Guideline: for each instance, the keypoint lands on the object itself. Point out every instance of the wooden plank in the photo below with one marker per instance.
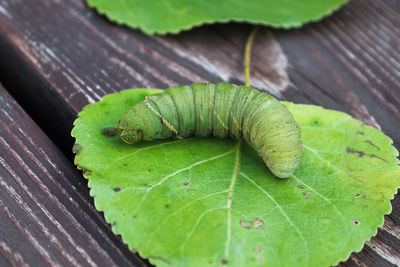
(69, 56)
(45, 216)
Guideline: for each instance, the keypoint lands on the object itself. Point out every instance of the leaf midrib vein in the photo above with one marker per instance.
(229, 204)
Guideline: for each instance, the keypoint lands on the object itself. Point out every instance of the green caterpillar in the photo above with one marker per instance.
(220, 110)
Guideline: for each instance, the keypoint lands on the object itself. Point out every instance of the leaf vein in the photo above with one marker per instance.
(140, 150)
(179, 171)
(181, 209)
(281, 210)
(196, 224)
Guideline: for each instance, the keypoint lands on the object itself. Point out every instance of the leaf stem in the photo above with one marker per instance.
(247, 54)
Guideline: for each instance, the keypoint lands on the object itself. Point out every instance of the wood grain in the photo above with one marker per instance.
(67, 55)
(45, 216)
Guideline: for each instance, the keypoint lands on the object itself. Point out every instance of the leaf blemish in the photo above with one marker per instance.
(83, 169)
(117, 189)
(259, 250)
(186, 183)
(114, 223)
(356, 222)
(360, 133)
(300, 186)
(160, 258)
(306, 194)
(260, 258)
(224, 261)
(357, 195)
(372, 144)
(166, 205)
(108, 131)
(76, 149)
(257, 223)
(362, 153)
(244, 224)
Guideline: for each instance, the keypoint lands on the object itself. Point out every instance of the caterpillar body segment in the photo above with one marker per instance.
(222, 110)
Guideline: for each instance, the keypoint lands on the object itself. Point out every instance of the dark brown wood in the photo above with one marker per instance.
(45, 216)
(60, 55)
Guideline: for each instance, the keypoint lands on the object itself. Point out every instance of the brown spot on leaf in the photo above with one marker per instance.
(362, 154)
(83, 169)
(224, 261)
(117, 189)
(357, 195)
(360, 133)
(186, 183)
(260, 258)
(76, 148)
(244, 224)
(356, 179)
(356, 222)
(160, 258)
(372, 144)
(300, 186)
(108, 132)
(257, 223)
(353, 170)
(259, 250)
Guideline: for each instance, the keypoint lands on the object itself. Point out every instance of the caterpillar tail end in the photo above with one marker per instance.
(287, 168)
(283, 174)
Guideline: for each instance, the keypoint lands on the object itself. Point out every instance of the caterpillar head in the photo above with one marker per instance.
(130, 127)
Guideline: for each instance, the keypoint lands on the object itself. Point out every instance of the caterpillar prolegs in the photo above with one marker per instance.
(222, 110)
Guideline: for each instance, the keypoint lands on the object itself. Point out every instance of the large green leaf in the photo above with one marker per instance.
(200, 202)
(172, 16)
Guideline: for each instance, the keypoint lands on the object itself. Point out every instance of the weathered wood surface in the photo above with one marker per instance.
(45, 216)
(59, 55)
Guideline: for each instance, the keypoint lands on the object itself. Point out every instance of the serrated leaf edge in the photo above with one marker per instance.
(286, 26)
